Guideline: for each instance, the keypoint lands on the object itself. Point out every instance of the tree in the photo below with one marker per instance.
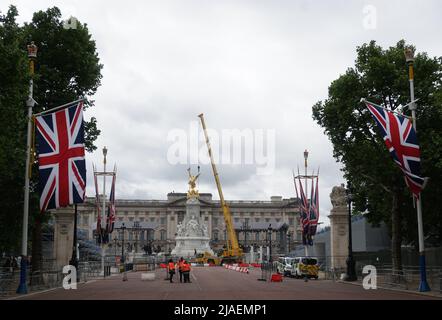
(14, 89)
(381, 76)
(67, 68)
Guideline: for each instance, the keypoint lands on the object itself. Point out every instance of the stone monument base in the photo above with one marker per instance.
(186, 246)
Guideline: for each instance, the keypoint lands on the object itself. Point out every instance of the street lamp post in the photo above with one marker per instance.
(269, 231)
(115, 240)
(351, 271)
(423, 286)
(74, 260)
(123, 260)
(136, 230)
(22, 288)
(288, 242)
(245, 228)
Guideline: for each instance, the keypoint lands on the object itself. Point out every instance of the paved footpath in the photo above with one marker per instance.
(217, 283)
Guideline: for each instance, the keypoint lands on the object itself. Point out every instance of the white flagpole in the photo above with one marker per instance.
(103, 219)
(22, 288)
(423, 286)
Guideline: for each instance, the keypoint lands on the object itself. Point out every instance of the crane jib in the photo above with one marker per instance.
(233, 249)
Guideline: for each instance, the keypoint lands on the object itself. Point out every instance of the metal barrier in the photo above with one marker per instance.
(267, 268)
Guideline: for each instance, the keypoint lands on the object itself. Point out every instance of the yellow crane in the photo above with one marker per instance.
(233, 252)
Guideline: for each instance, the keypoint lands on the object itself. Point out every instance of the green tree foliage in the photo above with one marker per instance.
(67, 67)
(381, 76)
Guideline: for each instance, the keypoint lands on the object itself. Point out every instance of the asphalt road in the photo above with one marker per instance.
(218, 283)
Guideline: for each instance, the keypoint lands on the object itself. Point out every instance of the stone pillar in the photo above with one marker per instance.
(338, 228)
(63, 236)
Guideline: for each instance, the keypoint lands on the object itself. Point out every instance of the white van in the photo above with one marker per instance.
(284, 266)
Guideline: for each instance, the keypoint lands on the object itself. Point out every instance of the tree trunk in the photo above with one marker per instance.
(396, 234)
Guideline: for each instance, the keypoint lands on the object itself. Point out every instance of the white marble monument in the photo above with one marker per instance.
(192, 233)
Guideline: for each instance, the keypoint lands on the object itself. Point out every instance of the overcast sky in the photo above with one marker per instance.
(245, 64)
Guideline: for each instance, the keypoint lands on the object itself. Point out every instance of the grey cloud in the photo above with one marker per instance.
(260, 64)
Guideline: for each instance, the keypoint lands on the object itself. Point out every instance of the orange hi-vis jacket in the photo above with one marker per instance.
(171, 266)
(186, 267)
(180, 265)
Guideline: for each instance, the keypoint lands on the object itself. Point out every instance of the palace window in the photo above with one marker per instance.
(163, 234)
(163, 220)
(215, 235)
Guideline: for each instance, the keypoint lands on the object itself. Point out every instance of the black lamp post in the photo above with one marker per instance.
(288, 242)
(136, 230)
(351, 270)
(74, 260)
(269, 231)
(123, 260)
(245, 228)
(115, 240)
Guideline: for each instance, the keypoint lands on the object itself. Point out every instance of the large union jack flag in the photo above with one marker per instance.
(111, 208)
(304, 213)
(62, 170)
(401, 141)
(314, 208)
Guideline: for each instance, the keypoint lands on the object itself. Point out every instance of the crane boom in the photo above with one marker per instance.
(233, 249)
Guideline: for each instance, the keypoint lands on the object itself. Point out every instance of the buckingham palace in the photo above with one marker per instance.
(154, 223)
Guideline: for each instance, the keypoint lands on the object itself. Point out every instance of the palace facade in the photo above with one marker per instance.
(154, 222)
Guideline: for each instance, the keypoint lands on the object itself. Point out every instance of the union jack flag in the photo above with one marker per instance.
(314, 209)
(62, 169)
(304, 216)
(401, 141)
(111, 208)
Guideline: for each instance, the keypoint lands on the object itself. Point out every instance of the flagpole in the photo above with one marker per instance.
(390, 110)
(423, 286)
(59, 107)
(103, 245)
(305, 165)
(22, 288)
(74, 258)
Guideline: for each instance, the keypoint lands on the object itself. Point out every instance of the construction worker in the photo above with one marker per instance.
(171, 268)
(180, 268)
(186, 271)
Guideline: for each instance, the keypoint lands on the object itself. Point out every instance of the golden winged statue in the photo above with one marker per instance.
(193, 192)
